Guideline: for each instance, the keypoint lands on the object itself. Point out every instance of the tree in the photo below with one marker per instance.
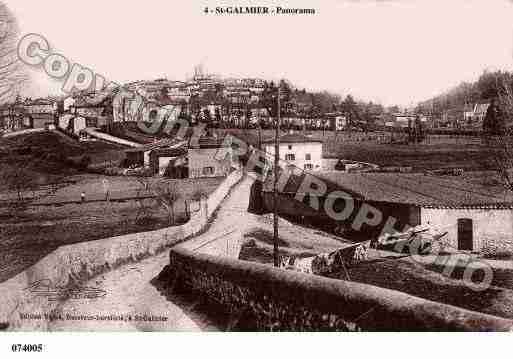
(498, 132)
(493, 123)
(166, 195)
(12, 74)
(141, 193)
(350, 109)
(207, 117)
(218, 118)
(269, 97)
(19, 179)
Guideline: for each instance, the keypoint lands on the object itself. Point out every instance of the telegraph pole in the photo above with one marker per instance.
(276, 165)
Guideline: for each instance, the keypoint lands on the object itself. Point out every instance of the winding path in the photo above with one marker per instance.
(130, 291)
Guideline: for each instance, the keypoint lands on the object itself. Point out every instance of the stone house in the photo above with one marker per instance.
(477, 218)
(210, 158)
(171, 162)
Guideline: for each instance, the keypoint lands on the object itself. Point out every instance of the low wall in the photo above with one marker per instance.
(77, 263)
(109, 138)
(268, 298)
(23, 132)
(215, 198)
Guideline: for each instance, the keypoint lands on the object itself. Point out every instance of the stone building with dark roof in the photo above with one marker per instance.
(477, 218)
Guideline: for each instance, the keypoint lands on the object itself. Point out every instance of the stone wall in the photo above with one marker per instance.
(492, 228)
(72, 264)
(109, 138)
(261, 297)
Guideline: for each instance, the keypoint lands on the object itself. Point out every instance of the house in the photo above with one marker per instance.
(171, 162)
(480, 113)
(68, 103)
(468, 114)
(336, 121)
(340, 123)
(141, 156)
(404, 120)
(42, 113)
(13, 118)
(296, 150)
(211, 157)
(95, 107)
(77, 124)
(477, 218)
(474, 115)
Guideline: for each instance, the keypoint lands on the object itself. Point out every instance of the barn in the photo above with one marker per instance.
(478, 218)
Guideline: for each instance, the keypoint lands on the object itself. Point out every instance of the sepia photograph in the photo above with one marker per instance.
(294, 166)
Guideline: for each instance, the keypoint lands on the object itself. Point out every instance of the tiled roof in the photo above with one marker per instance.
(293, 138)
(421, 189)
(416, 189)
(92, 99)
(38, 102)
(209, 142)
(170, 152)
(168, 142)
(482, 107)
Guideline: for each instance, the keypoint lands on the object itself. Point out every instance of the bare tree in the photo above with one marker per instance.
(19, 179)
(12, 72)
(498, 130)
(166, 195)
(143, 191)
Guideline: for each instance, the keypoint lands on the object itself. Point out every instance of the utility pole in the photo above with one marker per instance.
(275, 192)
(259, 127)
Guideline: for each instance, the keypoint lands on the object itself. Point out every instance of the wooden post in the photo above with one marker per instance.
(275, 193)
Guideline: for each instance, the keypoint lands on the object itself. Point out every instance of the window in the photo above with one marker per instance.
(290, 147)
(208, 171)
(290, 157)
(308, 166)
(308, 157)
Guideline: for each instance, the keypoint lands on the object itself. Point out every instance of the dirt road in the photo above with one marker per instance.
(130, 291)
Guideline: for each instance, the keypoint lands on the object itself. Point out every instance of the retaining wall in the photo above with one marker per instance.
(109, 138)
(77, 263)
(268, 298)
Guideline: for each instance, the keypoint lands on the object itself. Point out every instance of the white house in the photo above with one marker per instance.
(68, 103)
(340, 123)
(487, 228)
(296, 150)
(475, 115)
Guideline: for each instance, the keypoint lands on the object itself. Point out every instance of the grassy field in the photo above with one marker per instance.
(390, 272)
(28, 236)
(50, 154)
(437, 151)
(56, 215)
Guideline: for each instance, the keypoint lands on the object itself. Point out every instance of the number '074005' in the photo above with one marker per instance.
(17, 348)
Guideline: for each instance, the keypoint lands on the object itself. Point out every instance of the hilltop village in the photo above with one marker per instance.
(355, 182)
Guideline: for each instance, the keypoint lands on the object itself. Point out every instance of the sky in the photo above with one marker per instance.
(391, 52)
